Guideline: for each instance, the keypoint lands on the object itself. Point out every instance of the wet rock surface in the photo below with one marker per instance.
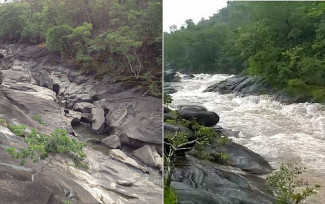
(248, 85)
(204, 182)
(232, 180)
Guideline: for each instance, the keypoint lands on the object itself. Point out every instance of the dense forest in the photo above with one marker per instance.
(283, 42)
(108, 36)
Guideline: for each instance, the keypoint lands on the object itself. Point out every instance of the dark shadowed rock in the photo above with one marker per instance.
(171, 129)
(226, 86)
(241, 157)
(203, 117)
(83, 107)
(112, 141)
(193, 107)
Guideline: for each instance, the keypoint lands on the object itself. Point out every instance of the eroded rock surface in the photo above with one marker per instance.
(33, 82)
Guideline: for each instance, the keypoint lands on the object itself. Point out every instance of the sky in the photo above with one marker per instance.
(177, 11)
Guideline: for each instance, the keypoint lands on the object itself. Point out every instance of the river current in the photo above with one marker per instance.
(280, 133)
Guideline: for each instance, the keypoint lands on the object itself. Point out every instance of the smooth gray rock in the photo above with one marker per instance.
(148, 155)
(112, 141)
(98, 115)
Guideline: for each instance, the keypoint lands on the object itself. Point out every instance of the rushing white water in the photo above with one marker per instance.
(278, 132)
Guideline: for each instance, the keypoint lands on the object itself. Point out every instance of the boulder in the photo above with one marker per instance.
(112, 141)
(226, 86)
(98, 124)
(83, 107)
(148, 155)
(136, 118)
(171, 129)
(193, 107)
(203, 117)
(240, 157)
(79, 98)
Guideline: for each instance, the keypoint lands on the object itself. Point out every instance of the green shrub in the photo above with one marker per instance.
(287, 187)
(57, 39)
(19, 130)
(40, 146)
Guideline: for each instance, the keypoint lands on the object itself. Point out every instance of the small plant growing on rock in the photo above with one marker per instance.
(285, 184)
(38, 118)
(170, 196)
(3, 122)
(40, 146)
(223, 140)
(67, 202)
(19, 130)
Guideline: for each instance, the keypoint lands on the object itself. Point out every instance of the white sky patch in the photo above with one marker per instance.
(176, 12)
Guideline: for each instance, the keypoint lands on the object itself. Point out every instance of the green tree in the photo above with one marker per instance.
(57, 39)
(285, 184)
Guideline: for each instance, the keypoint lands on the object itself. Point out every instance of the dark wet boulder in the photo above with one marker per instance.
(226, 86)
(240, 157)
(193, 107)
(171, 129)
(203, 117)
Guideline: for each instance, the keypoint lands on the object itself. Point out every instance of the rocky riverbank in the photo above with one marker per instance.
(234, 180)
(249, 85)
(33, 82)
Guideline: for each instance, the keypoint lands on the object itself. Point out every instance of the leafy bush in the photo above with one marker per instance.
(285, 184)
(40, 146)
(57, 39)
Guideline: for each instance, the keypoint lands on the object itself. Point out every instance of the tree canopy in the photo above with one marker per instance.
(283, 42)
(102, 35)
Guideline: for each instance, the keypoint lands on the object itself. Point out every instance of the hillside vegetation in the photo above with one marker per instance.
(283, 42)
(107, 36)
